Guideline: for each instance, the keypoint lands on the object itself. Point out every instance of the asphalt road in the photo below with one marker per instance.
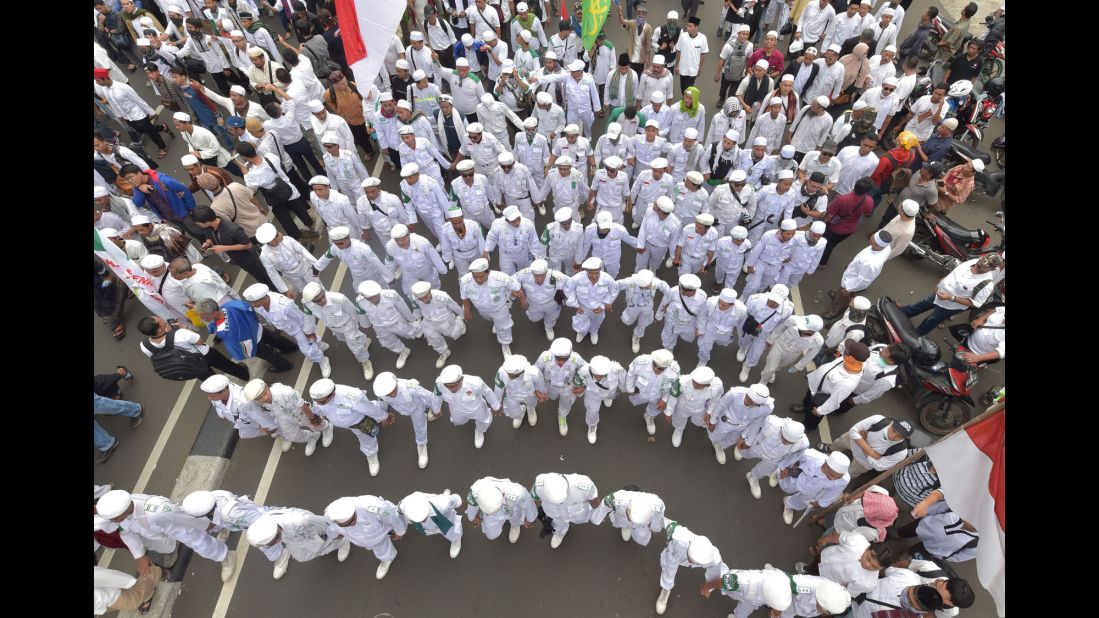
(593, 573)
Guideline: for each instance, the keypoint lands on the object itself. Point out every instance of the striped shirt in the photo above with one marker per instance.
(915, 481)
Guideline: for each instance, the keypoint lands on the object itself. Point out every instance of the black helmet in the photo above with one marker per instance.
(995, 87)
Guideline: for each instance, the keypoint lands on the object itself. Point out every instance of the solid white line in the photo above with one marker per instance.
(825, 431)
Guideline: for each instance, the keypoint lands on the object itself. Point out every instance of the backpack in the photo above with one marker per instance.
(172, 363)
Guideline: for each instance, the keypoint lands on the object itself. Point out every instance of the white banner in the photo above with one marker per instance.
(135, 278)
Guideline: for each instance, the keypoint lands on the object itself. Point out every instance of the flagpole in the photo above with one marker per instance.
(891, 471)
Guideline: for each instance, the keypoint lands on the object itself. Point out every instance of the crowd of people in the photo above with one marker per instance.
(490, 122)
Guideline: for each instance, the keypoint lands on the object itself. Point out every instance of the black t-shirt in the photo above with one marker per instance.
(964, 68)
(229, 233)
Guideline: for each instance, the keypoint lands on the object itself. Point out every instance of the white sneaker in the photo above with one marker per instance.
(770, 380)
(593, 433)
(311, 447)
(541, 211)
(506, 349)
(403, 357)
(396, 272)
(549, 334)
(608, 403)
(223, 535)
(594, 338)
(626, 534)
(636, 341)
(478, 438)
(513, 533)
(287, 445)
(743, 377)
(555, 542)
(650, 425)
(737, 455)
(563, 425)
(532, 416)
(323, 345)
(668, 262)
(455, 548)
(703, 363)
(635, 225)
(344, 551)
(662, 602)
(228, 566)
(375, 465)
(677, 437)
(421, 460)
(281, 564)
(579, 337)
(787, 515)
(516, 423)
(753, 484)
(368, 370)
(773, 479)
(719, 453)
(327, 434)
(326, 367)
(383, 568)
(493, 329)
(741, 355)
(442, 359)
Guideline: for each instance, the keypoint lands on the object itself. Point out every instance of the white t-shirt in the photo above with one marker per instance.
(690, 52)
(483, 19)
(184, 339)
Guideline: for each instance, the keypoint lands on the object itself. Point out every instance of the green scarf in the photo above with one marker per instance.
(530, 21)
(629, 86)
(693, 109)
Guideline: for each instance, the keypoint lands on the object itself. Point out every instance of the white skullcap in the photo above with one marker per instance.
(415, 507)
(762, 64)
(739, 232)
(784, 78)
(860, 104)
(696, 177)
(530, 122)
(254, 388)
(555, 488)
(266, 233)
(890, 81)
(214, 384)
(788, 152)
(759, 393)
(665, 203)
(263, 530)
(832, 597)
(644, 277)
(339, 232)
(788, 225)
(599, 365)
(544, 98)
(113, 503)
(549, 55)
(450, 374)
(487, 99)
(416, 35)
(511, 213)
(690, 281)
(398, 231)
(604, 220)
(792, 431)
(143, 42)
(888, 11)
(256, 291)
(834, 47)
(738, 176)
(838, 462)
(776, 590)
(238, 89)
(785, 174)
(662, 357)
(420, 288)
(320, 180)
(516, 363)
(402, 104)
(673, 15)
(860, 303)
(759, 141)
(727, 295)
(978, 165)
(505, 158)
(690, 133)
(562, 215)
(702, 551)
(659, 59)
(822, 101)
(818, 227)
(592, 263)
(776, 101)
(732, 134)
(409, 169)
(910, 208)
(369, 289)
(255, 52)
(773, 33)
(572, 129)
(199, 503)
(462, 62)
(316, 107)
(564, 161)
(614, 162)
(640, 509)
(99, 191)
(659, 162)
(418, 75)
(454, 212)
(341, 510)
(652, 122)
(812, 51)
(311, 291)
(702, 375)
(780, 290)
(488, 35)
(614, 129)
(489, 497)
(384, 383)
(465, 165)
(479, 265)
(152, 261)
(174, 8)
(657, 97)
(576, 65)
(744, 28)
(108, 232)
(561, 347)
(705, 219)
(890, 48)
(181, 116)
(812, 322)
(140, 220)
(403, 64)
(322, 388)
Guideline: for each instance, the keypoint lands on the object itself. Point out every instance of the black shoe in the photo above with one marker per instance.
(136, 421)
(128, 376)
(310, 247)
(274, 370)
(797, 408)
(105, 455)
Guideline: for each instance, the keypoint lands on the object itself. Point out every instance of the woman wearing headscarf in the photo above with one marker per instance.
(856, 70)
(956, 186)
(791, 102)
(689, 112)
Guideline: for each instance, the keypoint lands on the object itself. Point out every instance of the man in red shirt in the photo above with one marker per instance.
(844, 215)
(769, 53)
(898, 158)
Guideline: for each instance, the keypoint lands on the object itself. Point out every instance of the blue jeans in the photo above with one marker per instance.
(105, 405)
(222, 134)
(938, 314)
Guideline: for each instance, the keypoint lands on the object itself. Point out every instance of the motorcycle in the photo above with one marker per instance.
(943, 391)
(974, 111)
(987, 181)
(999, 148)
(939, 28)
(948, 244)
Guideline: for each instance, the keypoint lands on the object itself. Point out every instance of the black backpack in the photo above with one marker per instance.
(172, 363)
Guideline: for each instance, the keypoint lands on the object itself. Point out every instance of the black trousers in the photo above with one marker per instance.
(249, 262)
(222, 82)
(887, 216)
(686, 81)
(283, 210)
(106, 384)
(811, 421)
(728, 89)
(298, 182)
(220, 362)
(362, 138)
(301, 152)
(272, 347)
(639, 68)
(446, 57)
(834, 240)
(147, 127)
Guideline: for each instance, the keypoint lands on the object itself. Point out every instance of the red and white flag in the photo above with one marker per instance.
(367, 28)
(971, 465)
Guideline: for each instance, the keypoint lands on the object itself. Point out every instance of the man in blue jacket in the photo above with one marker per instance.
(237, 326)
(159, 192)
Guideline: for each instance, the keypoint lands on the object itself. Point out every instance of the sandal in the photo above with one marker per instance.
(145, 607)
(163, 153)
(168, 130)
(119, 332)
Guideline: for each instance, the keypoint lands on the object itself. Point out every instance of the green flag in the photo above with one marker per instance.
(594, 16)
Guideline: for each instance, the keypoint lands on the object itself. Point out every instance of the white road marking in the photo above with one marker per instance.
(825, 431)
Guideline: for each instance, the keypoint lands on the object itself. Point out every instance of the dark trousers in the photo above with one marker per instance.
(283, 210)
(690, 8)
(230, 167)
(446, 57)
(298, 182)
(106, 384)
(222, 82)
(887, 216)
(833, 239)
(395, 157)
(728, 89)
(147, 127)
(301, 152)
(220, 362)
(685, 82)
(938, 314)
(639, 68)
(272, 347)
(249, 262)
(362, 138)
(811, 421)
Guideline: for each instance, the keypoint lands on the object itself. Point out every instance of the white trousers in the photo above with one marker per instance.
(708, 339)
(356, 341)
(436, 333)
(588, 322)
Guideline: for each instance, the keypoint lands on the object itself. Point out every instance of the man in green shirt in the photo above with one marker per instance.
(952, 40)
(629, 118)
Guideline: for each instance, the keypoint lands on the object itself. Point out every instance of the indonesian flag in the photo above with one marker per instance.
(970, 465)
(367, 28)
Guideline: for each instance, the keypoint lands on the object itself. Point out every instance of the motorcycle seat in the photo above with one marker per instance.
(970, 153)
(957, 231)
(924, 350)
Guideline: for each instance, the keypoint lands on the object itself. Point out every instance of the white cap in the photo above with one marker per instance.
(505, 158)
(832, 597)
(780, 289)
(563, 161)
(659, 162)
(788, 225)
(478, 266)
(640, 509)
(696, 177)
(860, 104)
(516, 363)
(339, 232)
(576, 65)
(561, 347)
(910, 208)
(415, 507)
(315, 106)
(199, 503)
(792, 430)
(702, 375)
(690, 133)
(263, 530)
(838, 462)
(562, 215)
(409, 169)
(403, 64)
(823, 101)
(818, 227)
(266, 233)
(887, 11)
(860, 303)
(727, 295)
(108, 232)
(214, 384)
(521, 7)
(181, 116)
(614, 162)
(662, 357)
(604, 220)
(420, 288)
(369, 288)
(321, 388)
(759, 141)
(462, 62)
(890, 81)
(690, 281)
(785, 174)
(673, 15)
(739, 232)
(599, 365)
(140, 220)
(705, 219)
(733, 135)
(788, 151)
(738, 176)
(775, 101)
(614, 129)
(812, 322)
(701, 551)
(658, 97)
(402, 104)
(450, 374)
(776, 590)
(256, 52)
(652, 122)
(555, 488)
(549, 55)
(238, 89)
(341, 510)
(320, 180)
(113, 503)
(951, 123)
(744, 28)
(761, 63)
(784, 78)
(489, 498)
(487, 99)
(384, 383)
(398, 231)
(592, 263)
(465, 165)
(773, 33)
(544, 98)
(572, 129)
(98, 191)
(152, 261)
(759, 393)
(488, 35)
(665, 203)
(254, 388)
(405, 129)
(418, 75)
(511, 213)
(256, 291)
(659, 59)
(188, 159)
(416, 35)
(835, 47)
(311, 291)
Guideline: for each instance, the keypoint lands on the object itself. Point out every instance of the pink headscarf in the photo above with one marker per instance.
(880, 511)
